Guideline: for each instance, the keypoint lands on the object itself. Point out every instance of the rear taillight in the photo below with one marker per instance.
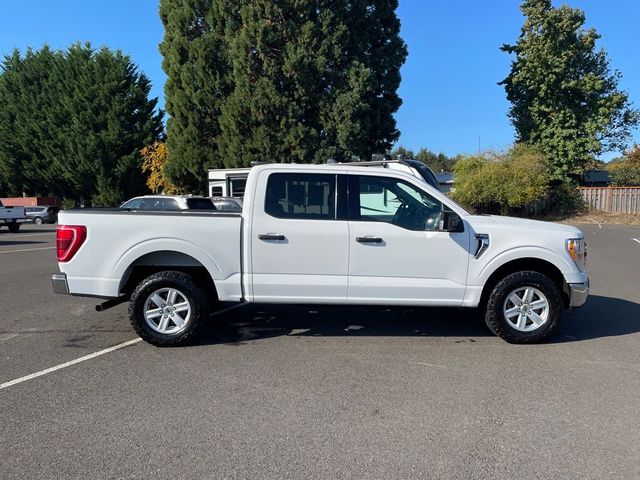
(69, 238)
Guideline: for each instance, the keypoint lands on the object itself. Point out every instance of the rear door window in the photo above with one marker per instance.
(301, 196)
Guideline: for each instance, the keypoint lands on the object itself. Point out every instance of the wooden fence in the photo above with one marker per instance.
(612, 199)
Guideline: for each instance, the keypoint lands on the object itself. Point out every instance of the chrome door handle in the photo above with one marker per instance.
(369, 239)
(271, 236)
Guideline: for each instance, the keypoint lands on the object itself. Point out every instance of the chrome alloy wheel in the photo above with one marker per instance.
(526, 309)
(167, 311)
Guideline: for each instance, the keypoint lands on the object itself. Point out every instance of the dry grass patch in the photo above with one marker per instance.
(596, 217)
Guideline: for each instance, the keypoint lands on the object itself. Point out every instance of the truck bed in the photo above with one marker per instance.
(117, 240)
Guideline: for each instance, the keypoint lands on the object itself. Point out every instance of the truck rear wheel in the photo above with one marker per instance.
(524, 307)
(167, 308)
(14, 227)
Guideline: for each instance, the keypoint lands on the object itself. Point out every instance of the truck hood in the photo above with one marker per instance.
(487, 223)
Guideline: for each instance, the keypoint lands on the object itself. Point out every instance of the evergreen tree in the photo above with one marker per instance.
(564, 97)
(402, 152)
(25, 94)
(438, 162)
(78, 119)
(290, 80)
(195, 62)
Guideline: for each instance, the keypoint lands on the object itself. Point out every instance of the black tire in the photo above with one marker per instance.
(38, 221)
(188, 288)
(495, 316)
(14, 227)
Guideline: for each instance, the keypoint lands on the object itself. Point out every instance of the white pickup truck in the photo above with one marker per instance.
(323, 234)
(12, 217)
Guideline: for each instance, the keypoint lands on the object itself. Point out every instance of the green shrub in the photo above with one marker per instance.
(67, 203)
(626, 171)
(565, 199)
(504, 183)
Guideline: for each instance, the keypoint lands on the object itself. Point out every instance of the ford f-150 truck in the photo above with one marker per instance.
(323, 234)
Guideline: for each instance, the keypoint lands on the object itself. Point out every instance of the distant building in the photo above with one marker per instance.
(445, 179)
(31, 201)
(595, 178)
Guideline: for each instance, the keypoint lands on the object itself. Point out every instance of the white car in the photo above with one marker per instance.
(324, 234)
(168, 202)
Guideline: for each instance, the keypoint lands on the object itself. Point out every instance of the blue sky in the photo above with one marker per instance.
(451, 100)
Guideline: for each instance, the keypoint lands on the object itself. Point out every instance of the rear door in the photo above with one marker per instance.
(397, 254)
(299, 244)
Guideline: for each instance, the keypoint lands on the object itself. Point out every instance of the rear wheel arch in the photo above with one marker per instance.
(166, 260)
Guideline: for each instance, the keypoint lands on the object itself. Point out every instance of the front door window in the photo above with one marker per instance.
(394, 201)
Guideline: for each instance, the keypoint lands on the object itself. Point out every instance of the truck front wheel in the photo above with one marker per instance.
(524, 307)
(167, 308)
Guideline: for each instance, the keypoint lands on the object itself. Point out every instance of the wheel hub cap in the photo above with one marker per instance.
(167, 311)
(526, 309)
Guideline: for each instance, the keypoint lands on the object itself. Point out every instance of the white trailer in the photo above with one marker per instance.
(227, 182)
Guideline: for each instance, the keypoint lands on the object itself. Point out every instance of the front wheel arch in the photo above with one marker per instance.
(525, 264)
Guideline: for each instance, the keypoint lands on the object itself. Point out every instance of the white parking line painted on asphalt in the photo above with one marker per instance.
(428, 364)
(8, 337)
(69, 363)
(636, 240)
(26, 249)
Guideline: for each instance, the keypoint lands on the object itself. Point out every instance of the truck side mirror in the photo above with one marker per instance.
(450, 221)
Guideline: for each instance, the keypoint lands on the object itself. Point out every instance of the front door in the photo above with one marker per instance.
(397, 254)
(299, 249)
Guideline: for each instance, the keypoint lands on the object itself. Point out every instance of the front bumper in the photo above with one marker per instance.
(578, 293)
(59, 283)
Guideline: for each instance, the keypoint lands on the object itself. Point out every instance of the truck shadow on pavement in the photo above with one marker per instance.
(600, 317)
(4, 243)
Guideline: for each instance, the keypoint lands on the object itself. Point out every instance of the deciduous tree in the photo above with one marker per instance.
(564, 96)
(154, 161)
(626, 171)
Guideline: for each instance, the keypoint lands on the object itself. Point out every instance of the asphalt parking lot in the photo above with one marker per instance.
(319, 392)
